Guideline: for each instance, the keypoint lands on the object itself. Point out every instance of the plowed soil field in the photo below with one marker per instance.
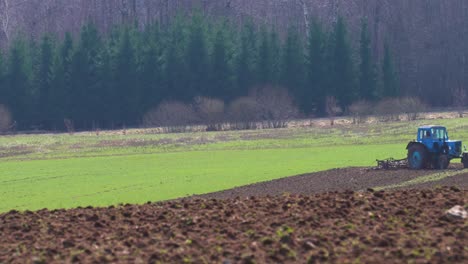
(369, 226)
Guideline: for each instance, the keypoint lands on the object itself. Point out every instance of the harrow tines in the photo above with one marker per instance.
(391, 164)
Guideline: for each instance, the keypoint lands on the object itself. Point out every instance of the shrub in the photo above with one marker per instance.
(360, 110)
(412, 107)
(209, 110)
(332, 108)
(170, 114)
(388, 109)
(274, 105)
(459, 100)
(244, 109)
(243, 113)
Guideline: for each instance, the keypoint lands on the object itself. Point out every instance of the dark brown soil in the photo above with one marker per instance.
(341, 227)
(355, 179)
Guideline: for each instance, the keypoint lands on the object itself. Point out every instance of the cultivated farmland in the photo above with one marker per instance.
(338, 208)
(64, 171)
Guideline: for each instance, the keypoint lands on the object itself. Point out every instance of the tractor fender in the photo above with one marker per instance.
(413, 143)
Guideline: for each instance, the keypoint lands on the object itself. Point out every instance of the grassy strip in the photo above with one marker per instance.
(424, 179)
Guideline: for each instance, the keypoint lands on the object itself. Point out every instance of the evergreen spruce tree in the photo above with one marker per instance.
(18, 82)
(367, 77)
(44, 80)
(85, 91)
(275, 52)
(125, 77)
(61, 83)
(2, 80)
(343, 79)
(176, 79)
(292, 72)
(315, 91)
(246, 59)
(265, 59)
(221, 81)
(150, 70)
(197, 58)
(390, 85)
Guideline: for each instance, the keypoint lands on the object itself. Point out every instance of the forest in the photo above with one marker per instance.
(110, 79)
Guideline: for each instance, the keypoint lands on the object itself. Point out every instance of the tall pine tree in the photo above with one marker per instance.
(246, 59)
(389, 78)
(343, 78)
(265, 59)
(221, 81)
(176, 80)
(197, 58)
(19, 92)
(86, 94)
(44, 80)
(61, 83)
(292, 73)
(126, 89)
(275, 52)
(315, 91)
(367, 77)
(150, 69)
(2, 80)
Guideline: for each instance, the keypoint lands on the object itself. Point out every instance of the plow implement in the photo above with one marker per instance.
(392, 164)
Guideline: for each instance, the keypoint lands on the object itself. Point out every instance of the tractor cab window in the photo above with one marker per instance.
(439, 133)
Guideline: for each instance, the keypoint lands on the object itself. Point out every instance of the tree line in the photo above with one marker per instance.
(113, 78)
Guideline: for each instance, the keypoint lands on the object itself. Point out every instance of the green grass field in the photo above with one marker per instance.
(64, 171)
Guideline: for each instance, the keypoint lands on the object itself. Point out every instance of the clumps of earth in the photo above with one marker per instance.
(342, 226)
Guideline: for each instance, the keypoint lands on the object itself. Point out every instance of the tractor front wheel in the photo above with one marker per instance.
(442, 162)
(417, 157)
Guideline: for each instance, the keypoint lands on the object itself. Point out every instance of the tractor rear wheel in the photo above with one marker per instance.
(417, 157)
(442, 162)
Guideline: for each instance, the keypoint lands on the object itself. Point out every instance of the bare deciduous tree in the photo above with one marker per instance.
(459, 100)
(5, 119)
(69, 126)
(412, 107)
(244, 112)
(5, 18)
(332, 108)
(388, 110)
(209, 110)
(170, 114)
(275, 103)
(360, 110)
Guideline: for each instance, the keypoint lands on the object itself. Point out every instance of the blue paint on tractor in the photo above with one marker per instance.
(436, 141)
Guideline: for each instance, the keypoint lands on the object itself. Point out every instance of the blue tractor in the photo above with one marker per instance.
(433, 149)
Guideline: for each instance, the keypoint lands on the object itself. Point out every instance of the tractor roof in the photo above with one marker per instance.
(430, 126)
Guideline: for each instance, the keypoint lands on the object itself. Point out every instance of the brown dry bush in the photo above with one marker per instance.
(360, 111)
(5, 119)
(412, 107)
(332, 108)
(275, 105)
(459, 100)
(210, 111)
(388, 110)
(170, 114)
(243, 113)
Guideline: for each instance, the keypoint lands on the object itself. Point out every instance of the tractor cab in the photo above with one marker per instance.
(433, 148)
(436, 140)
